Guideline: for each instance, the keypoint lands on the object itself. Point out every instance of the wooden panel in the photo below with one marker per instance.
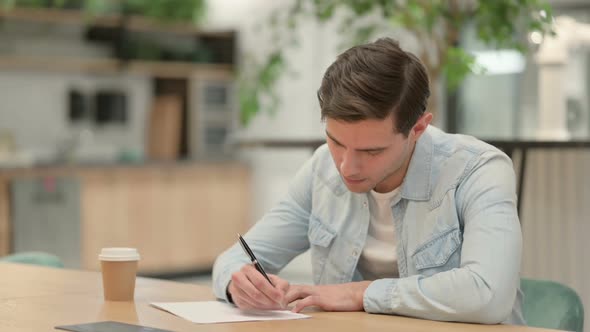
(177, 217)
(165, 127)
(5, 229)
(104, 215)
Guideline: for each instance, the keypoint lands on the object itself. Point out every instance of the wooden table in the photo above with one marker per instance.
(36, 298)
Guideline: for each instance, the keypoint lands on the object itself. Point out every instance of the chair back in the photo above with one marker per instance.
(552, 305)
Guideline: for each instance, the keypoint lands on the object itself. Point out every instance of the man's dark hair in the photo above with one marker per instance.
(373, 80)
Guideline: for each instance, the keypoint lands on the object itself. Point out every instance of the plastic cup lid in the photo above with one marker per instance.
(118, 254)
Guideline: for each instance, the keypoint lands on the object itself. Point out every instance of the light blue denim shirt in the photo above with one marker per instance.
(459, 241)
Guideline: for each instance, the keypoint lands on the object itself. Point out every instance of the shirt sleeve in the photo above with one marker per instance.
(484, 287)
(277, 238)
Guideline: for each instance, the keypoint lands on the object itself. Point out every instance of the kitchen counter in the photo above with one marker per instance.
(175, 213)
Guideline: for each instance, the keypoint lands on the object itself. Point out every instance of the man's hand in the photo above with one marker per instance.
(340, 297)
(250, 290)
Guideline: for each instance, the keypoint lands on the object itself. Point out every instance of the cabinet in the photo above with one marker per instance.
(46, 216)
(108, 74)
(180, 217)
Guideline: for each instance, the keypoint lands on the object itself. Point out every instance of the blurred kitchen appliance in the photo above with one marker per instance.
(110, 107)
(212, 114)
(77, 105)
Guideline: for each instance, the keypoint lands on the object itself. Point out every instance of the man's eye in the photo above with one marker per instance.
(374, 153)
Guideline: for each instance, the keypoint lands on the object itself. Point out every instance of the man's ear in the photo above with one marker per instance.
(421, 125)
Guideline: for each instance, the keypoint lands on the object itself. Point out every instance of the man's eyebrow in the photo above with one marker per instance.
(372, 149)
(332, 138)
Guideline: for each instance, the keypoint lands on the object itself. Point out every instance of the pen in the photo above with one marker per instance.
(249, 252)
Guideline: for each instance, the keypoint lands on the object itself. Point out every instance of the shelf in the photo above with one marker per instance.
(57, 16)
(57, 64)
(133, 23)
(175, 69)
(104, 66)
(138, 23)
(164, 69)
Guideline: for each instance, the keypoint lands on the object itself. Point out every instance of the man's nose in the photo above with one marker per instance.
(349, 166)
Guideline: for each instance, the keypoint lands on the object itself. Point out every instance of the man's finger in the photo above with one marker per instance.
(240, 299)
(306, 302)
(279, 282)
(283, 286)
(243, 301)
(262, 286)
(297, 292)
(241, 281)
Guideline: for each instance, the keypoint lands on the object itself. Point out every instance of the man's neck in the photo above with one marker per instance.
(396, 179)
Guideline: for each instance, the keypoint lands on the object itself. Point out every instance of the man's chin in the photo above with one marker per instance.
(358, 188)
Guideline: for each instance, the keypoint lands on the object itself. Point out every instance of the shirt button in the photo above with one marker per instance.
(355, 252)
(364, 204)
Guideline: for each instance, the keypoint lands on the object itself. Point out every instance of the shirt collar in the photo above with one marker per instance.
(417, 182)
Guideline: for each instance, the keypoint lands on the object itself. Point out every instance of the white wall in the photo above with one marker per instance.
(298, 115)
(34, 103)
(34, 108)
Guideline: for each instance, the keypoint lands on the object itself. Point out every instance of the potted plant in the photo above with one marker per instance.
(436, 25)
(161, 10)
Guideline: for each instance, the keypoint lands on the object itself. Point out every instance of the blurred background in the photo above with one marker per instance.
(171, 125)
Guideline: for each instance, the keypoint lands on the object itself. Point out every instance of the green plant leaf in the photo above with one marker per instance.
(458, 65)
(249, 104)
(499, 23)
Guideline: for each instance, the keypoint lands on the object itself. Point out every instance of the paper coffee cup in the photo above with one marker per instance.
(119, 268)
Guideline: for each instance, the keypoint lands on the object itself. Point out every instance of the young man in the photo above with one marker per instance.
(400, 217)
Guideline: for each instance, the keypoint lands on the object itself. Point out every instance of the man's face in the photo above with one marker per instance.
(369, 154)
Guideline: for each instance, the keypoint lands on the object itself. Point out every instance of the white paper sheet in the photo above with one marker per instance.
(221, 312)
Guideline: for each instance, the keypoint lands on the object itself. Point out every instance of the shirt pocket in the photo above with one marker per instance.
(320, 237)
(439, 253)
(319, 233)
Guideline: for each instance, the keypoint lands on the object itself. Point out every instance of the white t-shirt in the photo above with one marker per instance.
(379, 257)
